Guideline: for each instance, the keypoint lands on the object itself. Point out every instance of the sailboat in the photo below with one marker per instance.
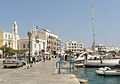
(96, 60)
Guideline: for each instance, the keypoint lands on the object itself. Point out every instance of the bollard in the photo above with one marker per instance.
(59, 68)
(70, 67)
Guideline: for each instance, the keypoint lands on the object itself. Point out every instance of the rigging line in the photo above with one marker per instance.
(104, 36)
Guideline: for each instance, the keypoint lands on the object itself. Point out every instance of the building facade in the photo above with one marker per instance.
(74, 46)
(101, 47)
(51, 44)
(9, 38)
(37, 43)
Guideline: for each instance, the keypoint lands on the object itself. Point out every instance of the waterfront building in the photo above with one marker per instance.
(37, 42)
(9, 38)
(41, 40)
(74, 46)
(101, 47)
(51, 44)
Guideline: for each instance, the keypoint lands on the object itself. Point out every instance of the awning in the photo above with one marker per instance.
(46, 53)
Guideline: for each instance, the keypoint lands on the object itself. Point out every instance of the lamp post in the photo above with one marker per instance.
(4, 51)
(29, 37)
(9, 41)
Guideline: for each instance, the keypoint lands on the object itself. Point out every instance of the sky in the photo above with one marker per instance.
(69, 19)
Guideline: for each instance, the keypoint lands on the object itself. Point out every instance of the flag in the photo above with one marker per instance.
(37, 41)
(36, 27)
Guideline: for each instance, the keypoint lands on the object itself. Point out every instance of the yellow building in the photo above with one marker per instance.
(9, 38)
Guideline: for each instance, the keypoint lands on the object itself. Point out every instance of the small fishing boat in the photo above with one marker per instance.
(108, 71)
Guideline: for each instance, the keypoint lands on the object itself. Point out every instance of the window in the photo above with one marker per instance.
(23, 45)
(11, 44)
(9, 37)
(5, 43)
(35, 46)
(27, 45)
(5, 35)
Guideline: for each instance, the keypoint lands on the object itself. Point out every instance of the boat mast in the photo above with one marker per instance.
(93, 45)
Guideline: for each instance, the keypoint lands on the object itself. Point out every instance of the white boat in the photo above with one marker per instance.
(102, 63)
(94, 61)
(108, 71)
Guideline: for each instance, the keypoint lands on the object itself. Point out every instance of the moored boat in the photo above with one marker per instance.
(108, 71)
(97, 61)
(102, 63)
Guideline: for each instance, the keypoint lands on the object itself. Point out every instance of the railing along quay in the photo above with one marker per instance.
(62, 64)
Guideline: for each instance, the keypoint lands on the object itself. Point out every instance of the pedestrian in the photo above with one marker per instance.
(66, 57)
(44, 59)
(60, 58)
(33, 59)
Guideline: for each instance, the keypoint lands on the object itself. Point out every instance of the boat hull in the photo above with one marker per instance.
(109, 72)
(98, 63)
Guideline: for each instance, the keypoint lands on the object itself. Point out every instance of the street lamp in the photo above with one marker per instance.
(29, 37)
(4, 50)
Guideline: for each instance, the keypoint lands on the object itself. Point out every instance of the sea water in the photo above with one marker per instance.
(93, 78)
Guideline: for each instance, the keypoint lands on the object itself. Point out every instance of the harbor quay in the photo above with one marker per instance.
(39, 73)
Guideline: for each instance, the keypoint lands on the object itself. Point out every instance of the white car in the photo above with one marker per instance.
(12, 61)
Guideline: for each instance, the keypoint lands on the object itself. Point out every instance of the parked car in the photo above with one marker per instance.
(12, 61)
(31, 58)
(38, 58)
(24, 59)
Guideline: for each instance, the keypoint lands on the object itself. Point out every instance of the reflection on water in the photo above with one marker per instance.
(93, 78)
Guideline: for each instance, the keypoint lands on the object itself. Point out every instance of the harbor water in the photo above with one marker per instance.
(93, 78)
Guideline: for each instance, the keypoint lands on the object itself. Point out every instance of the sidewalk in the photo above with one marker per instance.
(40, 73)
(49, 74)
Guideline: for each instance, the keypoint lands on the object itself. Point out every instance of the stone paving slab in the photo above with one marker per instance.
(40, 73)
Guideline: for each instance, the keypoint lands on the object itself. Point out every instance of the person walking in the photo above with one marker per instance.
(66, 58)
(44, 59)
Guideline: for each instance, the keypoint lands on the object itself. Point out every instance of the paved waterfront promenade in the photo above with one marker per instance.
(40, 73)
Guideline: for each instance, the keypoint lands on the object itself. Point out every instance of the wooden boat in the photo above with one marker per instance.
(108, 71)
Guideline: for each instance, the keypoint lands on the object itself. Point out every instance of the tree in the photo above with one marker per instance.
(10, 51)
(68, 52)
(42, 50)
(20, 52)
(7, 51)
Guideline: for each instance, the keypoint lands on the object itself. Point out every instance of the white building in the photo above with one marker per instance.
(74, 46)
(51, 44)
(9, 38)
(37, 43)
(101, 47)
(40, 40)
